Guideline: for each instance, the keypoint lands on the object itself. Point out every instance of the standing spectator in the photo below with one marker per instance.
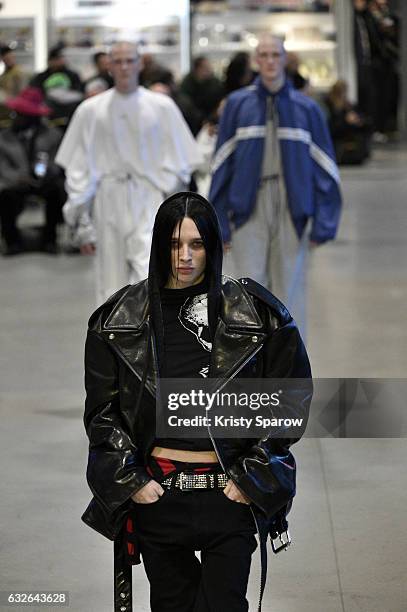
(101, 61)
(202, 87)
(124, 149)
(62, 87)
(386, 68)
(369, 63)
(239, 72)
(367, 50)
(273, 141)
(12, 79)
(27, 152)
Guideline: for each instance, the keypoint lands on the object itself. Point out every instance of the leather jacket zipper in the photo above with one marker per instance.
(240, 368)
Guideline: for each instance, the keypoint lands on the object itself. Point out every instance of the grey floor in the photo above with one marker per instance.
(348, 522)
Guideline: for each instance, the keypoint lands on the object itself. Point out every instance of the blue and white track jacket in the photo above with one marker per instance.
(308, 161)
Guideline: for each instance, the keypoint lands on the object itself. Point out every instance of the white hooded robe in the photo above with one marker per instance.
(122, 154)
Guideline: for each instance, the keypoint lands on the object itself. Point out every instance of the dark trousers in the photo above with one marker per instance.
(12, 204)
(180, 522)
(386, 83)
(366, 91)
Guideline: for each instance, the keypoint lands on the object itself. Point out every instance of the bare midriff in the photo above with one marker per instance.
(185, 455)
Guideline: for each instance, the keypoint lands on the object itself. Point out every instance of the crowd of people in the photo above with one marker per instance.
(112, 156)
(36, 110)
(43, 107)
(115, 149)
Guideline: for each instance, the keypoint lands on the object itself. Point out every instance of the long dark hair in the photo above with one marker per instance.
(172, 211)
(238, 73)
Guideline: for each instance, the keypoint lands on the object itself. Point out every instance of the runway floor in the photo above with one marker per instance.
(348, 521)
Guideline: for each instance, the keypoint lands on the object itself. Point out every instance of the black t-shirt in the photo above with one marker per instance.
(187, 345)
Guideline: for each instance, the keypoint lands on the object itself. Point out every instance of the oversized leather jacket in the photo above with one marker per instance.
(255, 337)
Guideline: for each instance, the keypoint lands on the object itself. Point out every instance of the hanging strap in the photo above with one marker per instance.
(123, 588)
(263, 574)
(280, 540)
(122, 572)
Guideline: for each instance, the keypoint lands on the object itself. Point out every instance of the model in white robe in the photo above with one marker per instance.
(122, 154)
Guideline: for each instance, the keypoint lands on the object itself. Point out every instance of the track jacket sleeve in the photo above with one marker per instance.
(327, 195)
(223, 166)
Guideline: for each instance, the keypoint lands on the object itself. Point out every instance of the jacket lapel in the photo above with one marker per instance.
(239, 334)
(127, 330)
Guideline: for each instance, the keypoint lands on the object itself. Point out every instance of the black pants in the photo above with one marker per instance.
(180, 522)
(12, 204)
(366, 92)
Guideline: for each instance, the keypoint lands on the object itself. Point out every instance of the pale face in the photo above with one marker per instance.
(124, 67)
(271, 60)
(188, 255)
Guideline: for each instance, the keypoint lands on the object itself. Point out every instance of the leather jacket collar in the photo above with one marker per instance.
(239, 334)
(238, 312)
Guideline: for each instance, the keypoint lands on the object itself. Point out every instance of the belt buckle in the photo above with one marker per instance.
(284, 543)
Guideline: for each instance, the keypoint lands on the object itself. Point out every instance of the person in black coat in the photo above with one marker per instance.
(174, 490)
(202, 87)
(27, 167)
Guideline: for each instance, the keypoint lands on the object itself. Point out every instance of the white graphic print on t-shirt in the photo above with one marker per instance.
(193, 316)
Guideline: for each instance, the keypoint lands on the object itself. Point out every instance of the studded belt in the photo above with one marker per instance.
(187, 482)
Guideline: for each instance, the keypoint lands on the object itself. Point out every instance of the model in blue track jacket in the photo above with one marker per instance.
(308, 162)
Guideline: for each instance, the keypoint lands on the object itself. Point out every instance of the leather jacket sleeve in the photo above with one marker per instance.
(114, 469)
(284, 356)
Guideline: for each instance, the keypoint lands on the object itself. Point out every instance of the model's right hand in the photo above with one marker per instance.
(148, 494)
(88, 249)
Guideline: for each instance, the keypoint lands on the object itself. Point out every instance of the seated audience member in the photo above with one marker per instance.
(350, 130)
(27, 168)
(61, 86)
(12, 79)
(95, 86)
(101, 61)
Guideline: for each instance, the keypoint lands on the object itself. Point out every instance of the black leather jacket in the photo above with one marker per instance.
(255, 337)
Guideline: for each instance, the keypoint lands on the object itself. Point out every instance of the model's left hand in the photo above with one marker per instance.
(235, 494)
